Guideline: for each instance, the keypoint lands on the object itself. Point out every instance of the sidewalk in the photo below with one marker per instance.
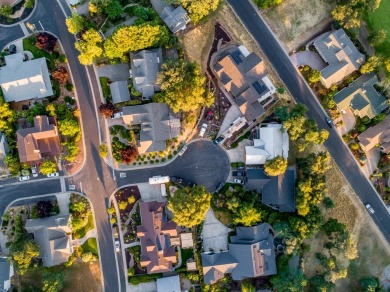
(90, 234)
(63, 203)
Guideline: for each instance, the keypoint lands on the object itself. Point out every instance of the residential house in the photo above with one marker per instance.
(362, 97)
(54, 236)
(251, 254)
(6, 272)
(119, 91)
(145, 66)
(337, 49)
(171, 284)
(378, 135)
(186, 240)
(157, 122)
(3, 145)
(175, 18)
(23, 80)
(271, 141)
(157, 255)
(278, 192)
(244, 75)
(191, 265)
(39, 142)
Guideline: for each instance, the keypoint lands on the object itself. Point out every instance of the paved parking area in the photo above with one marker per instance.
(143, 287)
(373, 157)
(150, 192)
(309, 58)
(349, 121)
(119, 72)
(215, 234)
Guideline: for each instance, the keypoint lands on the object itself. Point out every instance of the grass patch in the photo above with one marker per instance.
(90, 246)
(105, 86)
(83, 231)
(224, 216)
(29, 45)
(135, 280)
(186, 254)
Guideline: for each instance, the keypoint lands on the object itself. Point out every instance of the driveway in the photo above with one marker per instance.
(373, 157)
(215, 234)
(309, 58)
(349, 120)
(232, 114)
(150, 192)
(119, 72)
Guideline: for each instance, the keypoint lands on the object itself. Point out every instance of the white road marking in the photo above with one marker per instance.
(63, 186)
(41, 24)
(24, 28)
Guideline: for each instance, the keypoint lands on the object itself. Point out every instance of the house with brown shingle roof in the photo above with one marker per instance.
(157, 254)
(39, 142)
(244, 75)
(376, 135)
(337, 49)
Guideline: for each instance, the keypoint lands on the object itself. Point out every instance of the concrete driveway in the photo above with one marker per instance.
(309, 58)
(373, 157)
(119, 72)
(150, 192)
(215, 234)
(232, 114)
(348, 117)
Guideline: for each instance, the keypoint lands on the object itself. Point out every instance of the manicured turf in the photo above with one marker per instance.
(105, 86)
(377, 20)
(90, 246)
(29, 45)
(81, 233)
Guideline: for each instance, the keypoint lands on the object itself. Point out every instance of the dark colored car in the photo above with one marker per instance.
(329, 122)
(12, 49)
(176, 180)
(191, 184)
(239, 173)
(218, 140)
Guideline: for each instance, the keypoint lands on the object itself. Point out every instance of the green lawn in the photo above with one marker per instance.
(29, 45)
(377, 20)
(186, 254)
(90, 246)
(105, 86)
(83, 231)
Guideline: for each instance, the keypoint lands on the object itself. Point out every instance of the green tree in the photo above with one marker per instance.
(13, 164)
(77, 207)
(247, 287)
(247, 215)
(90, 47)
(264, 4)
(75, 23)
(5, 10)
(314, 76)
(6, 117)
(189, 205)
(371, 64)
(47, 167)
(282, 113)
(387, 65)
(51, 110)
(103, 151)
(53, 282)
(199, 9)
(69, 127)
(183, 87)
(275, 166)
(369, 284)
(377, 38)
(114, 9)
(22, 254)
(286, 281)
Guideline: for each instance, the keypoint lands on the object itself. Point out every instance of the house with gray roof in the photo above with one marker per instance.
(6, 272)
(244, 75)
(119, 91)
(54, 236)
(362, 97)
(145, 66)
(175, 18)
(337, 49)
(169, 284)
(251, 254)
(277, 192)
(376, 135)
(158, 124)
(23, 80)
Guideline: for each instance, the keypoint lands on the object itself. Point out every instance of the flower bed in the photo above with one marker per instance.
(126, 199)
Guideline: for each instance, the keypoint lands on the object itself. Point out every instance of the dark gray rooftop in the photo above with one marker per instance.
(119, 91)
(5, 269)
(175, 18)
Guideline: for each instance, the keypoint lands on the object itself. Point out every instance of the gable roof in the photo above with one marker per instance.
(362, 97)
(216, 265)
(119, 91)
(157, 255)
(38, 142)
(272, 141)
(339, 52)
(245, 76)
(169, 284)
(6, 272)
(175, 18)
(378, 134)
(145, 66)
(157, 125)
(21, 80)
(51, 234)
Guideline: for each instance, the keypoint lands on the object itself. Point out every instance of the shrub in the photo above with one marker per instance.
(328, 202)
(55, 55)
(354, 146)
(88, 257)
(69, 100)
(131, 199)
(130, 272)
(111, 210)
(29, 4)
(45, 41)
(103, 151)
(122, 205)
(69, 86)
(113, 220)
(107, 110)
(63, 59)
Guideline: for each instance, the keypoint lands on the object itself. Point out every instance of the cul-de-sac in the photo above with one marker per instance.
(194, 145)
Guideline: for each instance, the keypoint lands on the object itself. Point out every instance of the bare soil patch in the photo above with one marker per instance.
(297, 21)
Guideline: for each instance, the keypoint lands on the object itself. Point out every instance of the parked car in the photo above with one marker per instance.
(12, 49)
(218, 140)
(23, 178)
(182, 150)
(329, 122)
(176, 179)
(239, 173)
(219, 186)
(117, 245)
(203, 130)
(117, 115)
(34, 171)
(239, 181)
(370, 209)
(191, 184)
(54, 174)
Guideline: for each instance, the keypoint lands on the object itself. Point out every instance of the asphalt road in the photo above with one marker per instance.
(301, 92)
(9, 34)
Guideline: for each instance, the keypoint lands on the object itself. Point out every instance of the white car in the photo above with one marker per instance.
(54, 174)
(34, 171)
(23, 178)
(239, 181)
(182, 150)
(370, 209)
(117, 245)
(203, 130)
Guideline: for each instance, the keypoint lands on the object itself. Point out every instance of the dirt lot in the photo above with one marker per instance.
(297, 21)
(374, 251)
